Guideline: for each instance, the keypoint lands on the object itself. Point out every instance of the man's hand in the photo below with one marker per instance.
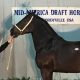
(10, 39)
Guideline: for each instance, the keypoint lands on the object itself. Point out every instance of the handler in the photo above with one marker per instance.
(4, 46)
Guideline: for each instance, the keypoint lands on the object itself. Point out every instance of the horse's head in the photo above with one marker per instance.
(23, 27)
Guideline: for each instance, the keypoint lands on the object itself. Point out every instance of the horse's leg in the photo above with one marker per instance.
(46, 65)
(46, 74)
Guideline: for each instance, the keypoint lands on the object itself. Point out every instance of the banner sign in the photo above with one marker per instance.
(54, 15)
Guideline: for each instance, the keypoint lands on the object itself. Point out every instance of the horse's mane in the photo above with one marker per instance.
(44, 37)
(49, 28)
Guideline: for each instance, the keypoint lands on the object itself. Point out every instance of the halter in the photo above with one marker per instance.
(21, 30)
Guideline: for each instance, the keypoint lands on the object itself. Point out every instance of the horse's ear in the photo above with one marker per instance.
(28, 12)
(34, 12)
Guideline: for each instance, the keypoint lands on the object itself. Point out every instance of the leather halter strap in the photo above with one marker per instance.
(21, 30)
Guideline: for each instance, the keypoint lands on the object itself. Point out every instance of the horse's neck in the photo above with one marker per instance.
(42, 35)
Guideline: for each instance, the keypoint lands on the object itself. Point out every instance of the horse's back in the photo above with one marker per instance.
(68, 57)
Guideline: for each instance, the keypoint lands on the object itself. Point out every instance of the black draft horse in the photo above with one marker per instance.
(53, 53)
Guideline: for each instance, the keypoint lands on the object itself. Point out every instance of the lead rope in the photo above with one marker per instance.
(1, 41)
(9, 57)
